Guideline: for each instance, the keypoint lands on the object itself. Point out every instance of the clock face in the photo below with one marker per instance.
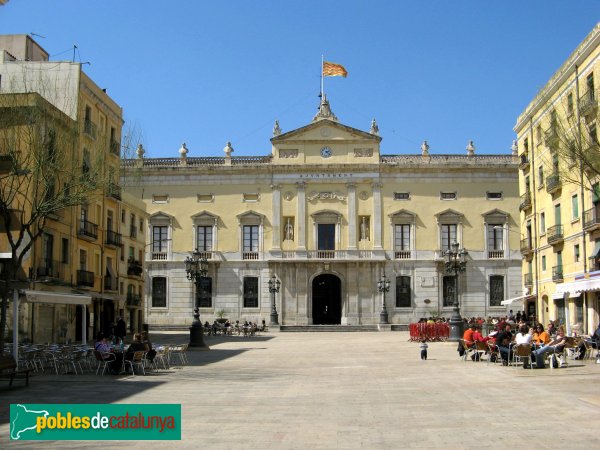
(326, 152)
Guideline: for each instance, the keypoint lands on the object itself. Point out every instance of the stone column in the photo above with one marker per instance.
(352, 218)
(376, 227)
(276, 218)
(301, 216)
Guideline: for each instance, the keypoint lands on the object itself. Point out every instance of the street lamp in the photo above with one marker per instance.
(383, 286)
(196, 268)
(456, 264)
(274, 285)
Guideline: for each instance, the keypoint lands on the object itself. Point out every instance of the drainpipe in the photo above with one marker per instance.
(535, 225)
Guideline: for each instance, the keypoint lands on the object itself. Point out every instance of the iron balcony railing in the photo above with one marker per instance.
(133, 299)
(50, 268)
(525, 201)
(555, 234)
(110, 283)
(551, 136)
(85, 278)
(526, 246)
(528, 280)
(134, 267)
(524, 162)
(133, 232)
(588, 102)
(557, 273)
(114, 191)
(89, 128)
(114, 148)
(113, 238)
(88, 229)
(591, 219)
(553, 183)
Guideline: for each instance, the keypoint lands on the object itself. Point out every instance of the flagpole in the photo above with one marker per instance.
(322, 87)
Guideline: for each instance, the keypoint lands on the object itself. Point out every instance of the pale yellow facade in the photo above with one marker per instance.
(559, 219)
(328, 215)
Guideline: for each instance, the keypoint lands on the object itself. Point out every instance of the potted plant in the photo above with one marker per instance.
(221, 316)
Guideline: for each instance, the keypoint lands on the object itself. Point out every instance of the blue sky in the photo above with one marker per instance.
(206, 73)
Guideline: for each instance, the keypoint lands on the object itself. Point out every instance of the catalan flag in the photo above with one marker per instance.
(333, 70)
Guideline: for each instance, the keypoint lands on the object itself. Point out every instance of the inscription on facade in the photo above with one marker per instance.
(363, 152)
(326, 196)
(288, 153)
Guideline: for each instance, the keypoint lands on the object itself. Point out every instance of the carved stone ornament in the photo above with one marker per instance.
(288, 196)
(363, 152)
(276, 129)
(326, 196)
(288, 153)
(363, 195)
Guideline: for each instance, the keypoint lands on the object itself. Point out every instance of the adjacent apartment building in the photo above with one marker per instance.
(86, 266)
(328, 215)
(560, 198)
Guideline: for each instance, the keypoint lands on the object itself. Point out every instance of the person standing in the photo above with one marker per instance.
(423, 346)
(120, 329)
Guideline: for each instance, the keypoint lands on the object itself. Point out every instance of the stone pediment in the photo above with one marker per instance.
(325, 130)
(402, 216)
(496, 213)
(449, 215)
(204, 217)
(161, 217)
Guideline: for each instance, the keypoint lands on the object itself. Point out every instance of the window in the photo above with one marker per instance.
(560, 310)
(589, 82)
(250, 292)
(538, 134)
(160, 199)
(575, 207)
(402, 237)
(596, 193)
(82, 260)
(159, 292)
(579, 311)
(496, 290)
(494, 195)
(205, 198)
(401, 195)
(251, 197)
(576, 252)
(204, 239)
(122, 216)
(540, 176)
(495, 238)
(449, 286)
(47, 250)
(448, 235)
(64, 252)
(204, 293)
(447, 195)
(526, 145)
(593, 132)
(159, 238)
(250, 238)
(544, 263)
(403, 294)
(542, 222)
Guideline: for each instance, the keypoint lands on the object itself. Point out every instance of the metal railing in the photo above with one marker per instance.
(591, 219)
(524, 162)
(115, 148)
(85, 278)
(588, 102)
(110, 284)
(555, 234)
(553, 183)
(557, 273)
(113, 238)
(134, 267)
(528, 279)
(114, 191)
(90, 128)
(133, 232)
(526, 246)
(133, 299)
(88, 229)
(525, 201)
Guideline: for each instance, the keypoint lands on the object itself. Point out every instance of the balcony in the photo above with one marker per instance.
(88, 230)
(133, 232)
(340, 255)
(551, 136)
(557, 274)
(158, 256)
(134, 267)
(133, 300)
(115, 148)
(528, 280)
(85, 278)
(50, 269)
(250, 255)
(113, 238)
(591, 219)
(90, 128)
(588, 103)
(526, 247)
(114, 191)
(402, 254)
(495, 254)
(555, 235)
(553, 183)
(525, 201)
(524, 162)
(110, 284)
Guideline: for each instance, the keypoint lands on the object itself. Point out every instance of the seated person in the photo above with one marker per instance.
(555, 346)
(116, 359)
(524, 336)
(540, 337)
(150, 352)
(136, 346)
(503, 340)
(468, 336)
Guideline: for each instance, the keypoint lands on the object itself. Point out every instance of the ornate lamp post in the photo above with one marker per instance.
(456, 264)
(196, 268)
(274, 286)
(383, 286)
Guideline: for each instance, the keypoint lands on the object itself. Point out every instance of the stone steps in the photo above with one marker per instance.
(328, 328)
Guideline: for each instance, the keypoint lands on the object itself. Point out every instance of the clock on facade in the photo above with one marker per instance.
(326, 152)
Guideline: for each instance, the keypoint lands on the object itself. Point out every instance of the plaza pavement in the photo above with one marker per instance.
(340, 390)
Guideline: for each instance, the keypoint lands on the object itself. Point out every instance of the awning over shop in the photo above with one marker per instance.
(515, 300)
(578, 286)
(57, 298)
(558, 296)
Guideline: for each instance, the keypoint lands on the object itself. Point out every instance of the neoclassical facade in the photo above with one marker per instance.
(328, 215)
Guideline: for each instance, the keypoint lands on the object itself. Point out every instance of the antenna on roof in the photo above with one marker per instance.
(74, 48)
(37, 35)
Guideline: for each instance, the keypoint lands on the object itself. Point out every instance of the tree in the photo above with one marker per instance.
(42, 175)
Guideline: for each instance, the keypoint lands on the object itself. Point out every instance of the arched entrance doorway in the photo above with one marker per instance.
(327, 300)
